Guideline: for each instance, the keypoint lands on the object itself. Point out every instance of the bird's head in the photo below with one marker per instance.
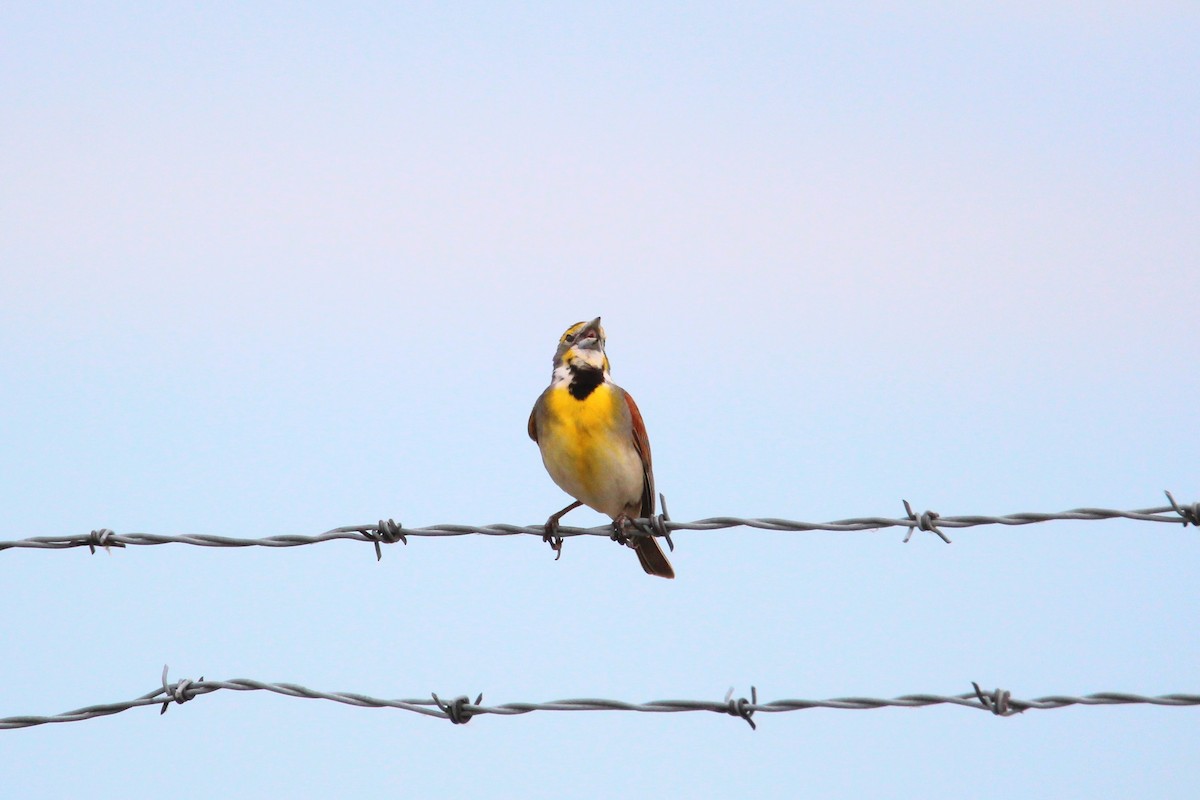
(581, 347)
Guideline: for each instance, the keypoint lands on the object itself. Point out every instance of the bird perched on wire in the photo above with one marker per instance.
(594, 443)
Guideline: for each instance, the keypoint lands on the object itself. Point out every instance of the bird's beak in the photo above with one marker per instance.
(589, 337)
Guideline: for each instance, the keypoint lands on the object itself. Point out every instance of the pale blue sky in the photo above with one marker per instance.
(267, 269)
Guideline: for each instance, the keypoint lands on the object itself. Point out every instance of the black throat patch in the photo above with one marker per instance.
(584, 381)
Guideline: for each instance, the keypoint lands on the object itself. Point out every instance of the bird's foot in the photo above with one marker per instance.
(619, 526)
(551, 537)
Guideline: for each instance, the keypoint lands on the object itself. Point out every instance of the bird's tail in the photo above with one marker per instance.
(653, 559)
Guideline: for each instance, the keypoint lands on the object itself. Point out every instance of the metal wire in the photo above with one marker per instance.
(461, 710)
(390, 532)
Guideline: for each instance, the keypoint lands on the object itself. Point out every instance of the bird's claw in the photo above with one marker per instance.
(551, 537)
(619, 524)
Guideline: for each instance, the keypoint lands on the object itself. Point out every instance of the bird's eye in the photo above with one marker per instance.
(570, 337)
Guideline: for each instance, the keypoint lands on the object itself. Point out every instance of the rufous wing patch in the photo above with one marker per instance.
(641, 443)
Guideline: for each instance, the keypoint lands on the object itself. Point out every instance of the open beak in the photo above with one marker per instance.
(588, 337)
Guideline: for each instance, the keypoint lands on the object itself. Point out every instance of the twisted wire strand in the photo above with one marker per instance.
(460, 710)
(390, 532)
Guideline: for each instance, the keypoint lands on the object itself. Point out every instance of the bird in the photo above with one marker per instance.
(594, 445)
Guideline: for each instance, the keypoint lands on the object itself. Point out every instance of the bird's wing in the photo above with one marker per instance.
(641, 443)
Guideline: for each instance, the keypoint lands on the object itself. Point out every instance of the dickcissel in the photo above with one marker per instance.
(594, 443)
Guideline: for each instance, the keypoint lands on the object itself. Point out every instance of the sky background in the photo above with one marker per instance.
(275, 268)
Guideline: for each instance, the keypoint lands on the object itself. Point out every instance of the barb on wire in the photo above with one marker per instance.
(178, 692)
(456, 710)
(102, 538)
(1190, 514)
(742, 707)
(661, 525)
(926, 521)
(388, 531)
(460, 710)
(998, 702)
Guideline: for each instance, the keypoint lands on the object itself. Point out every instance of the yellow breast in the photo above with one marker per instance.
(587, 453)
(581, 426)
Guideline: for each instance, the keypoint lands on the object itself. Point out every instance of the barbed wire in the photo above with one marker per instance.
(389, 531)
(461, 709)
